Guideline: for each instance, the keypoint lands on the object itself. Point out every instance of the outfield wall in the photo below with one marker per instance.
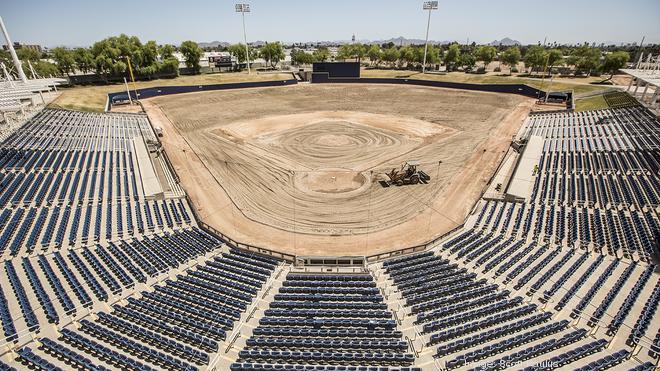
(521, 89)
(167, 90)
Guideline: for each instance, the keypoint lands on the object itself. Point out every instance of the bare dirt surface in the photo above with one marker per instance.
(297, 169)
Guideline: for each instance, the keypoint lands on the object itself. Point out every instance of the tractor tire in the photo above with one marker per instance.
(414, 179)
(399, 182)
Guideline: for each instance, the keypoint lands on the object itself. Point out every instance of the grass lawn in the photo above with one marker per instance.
(92, 98)
(614, 100)
(591, 103)
(578, 85)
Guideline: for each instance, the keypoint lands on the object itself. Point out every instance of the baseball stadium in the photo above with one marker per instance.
(327, 208)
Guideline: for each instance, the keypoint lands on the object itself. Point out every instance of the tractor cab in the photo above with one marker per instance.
(408, 174)
(409, 167)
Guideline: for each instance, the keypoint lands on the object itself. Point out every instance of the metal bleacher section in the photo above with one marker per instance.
(20, 100)
(565, 279)
(96, 275)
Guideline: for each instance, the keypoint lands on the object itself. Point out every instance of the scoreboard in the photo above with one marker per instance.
(220, 60)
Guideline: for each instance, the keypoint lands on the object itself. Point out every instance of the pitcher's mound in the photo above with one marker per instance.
(331, 181)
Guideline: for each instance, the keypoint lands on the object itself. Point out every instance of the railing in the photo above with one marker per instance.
(240, 245)
(410, 250)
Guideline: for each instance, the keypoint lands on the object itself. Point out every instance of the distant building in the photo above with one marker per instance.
(18, 46)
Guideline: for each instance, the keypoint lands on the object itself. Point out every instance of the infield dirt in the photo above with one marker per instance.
(297, 169)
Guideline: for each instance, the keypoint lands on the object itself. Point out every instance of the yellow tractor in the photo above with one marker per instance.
(408, 174)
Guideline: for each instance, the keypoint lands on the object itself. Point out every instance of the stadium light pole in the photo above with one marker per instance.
(244, 8)
(428, 5)
(14, 57)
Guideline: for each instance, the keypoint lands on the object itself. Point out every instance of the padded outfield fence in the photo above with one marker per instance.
(167, 90)
(521, 89)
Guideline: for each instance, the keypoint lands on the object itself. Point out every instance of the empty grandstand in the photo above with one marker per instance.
(101, 271)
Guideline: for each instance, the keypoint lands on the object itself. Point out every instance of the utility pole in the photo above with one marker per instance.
(428, 5)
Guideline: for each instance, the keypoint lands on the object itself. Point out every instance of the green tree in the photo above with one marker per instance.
(166, 51)
(486, 54)
(65, 60)
(511, 57)
(26, 54)
(191, 54)
(345, 51)
(84, 59)
(585, 59)
(535, 57)
(169, 66)
(149, 53)
(238, 51)
(452, 56)
(375, 54)
(273, 53)
(408, 54)
(613, 62)
(321, 54)
(390, 55)
(299, 56)
(555, 57)
(467, 61)
(349, 51)
(42, 69)
(432, 54)
(5, 58)
(359, 51)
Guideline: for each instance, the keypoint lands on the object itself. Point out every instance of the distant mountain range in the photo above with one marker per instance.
(505, 41)
(213, 44)
(399, 41)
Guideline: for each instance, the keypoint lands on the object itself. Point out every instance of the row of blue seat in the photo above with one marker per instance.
(480, 324)
(579, 282)
(645, 318)
(289, 367)
(23, 301)
(43, 298)
(517, 340)
(289, 343)
(70, 356)
(594, 288)
(27, 357)
(505, 330)
(629, 301)
(134, 331)
(606, 362)
(102, 352)
(308, 357)
(133, 347)
(611, 295)
(570, 356)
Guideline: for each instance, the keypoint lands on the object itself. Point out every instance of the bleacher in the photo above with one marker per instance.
(99, 275)
(326, 319)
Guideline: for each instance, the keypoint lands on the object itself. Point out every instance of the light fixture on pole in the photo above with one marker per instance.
(428, 5)
(244, 8)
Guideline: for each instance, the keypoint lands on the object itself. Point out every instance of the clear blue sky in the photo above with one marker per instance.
(79, 23)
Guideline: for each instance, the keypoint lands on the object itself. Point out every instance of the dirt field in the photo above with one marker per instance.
(297, 169)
